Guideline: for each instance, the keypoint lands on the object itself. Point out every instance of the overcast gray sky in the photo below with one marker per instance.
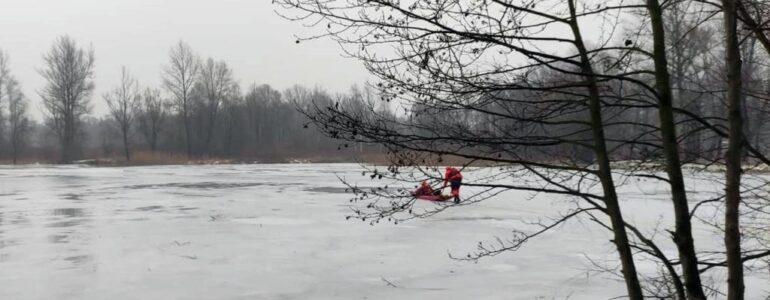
(255, 42)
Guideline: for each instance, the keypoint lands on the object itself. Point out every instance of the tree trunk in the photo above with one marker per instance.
(209, 134)
(683, 231)
(187, 134)
(153, 139)
(67, 138)
(735, 287)
(605, 173)
(125, 144)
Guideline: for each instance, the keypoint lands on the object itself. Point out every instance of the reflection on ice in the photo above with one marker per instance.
(68, 217)
(68, 223)
(149, 208)
(57, 238)
(343, 190)
(198, 185)
(69, 212)
(71, 196)
(277, 221)
(184, 208)
(19, 218)
(78, 260)
(8, 243)
(329, 189)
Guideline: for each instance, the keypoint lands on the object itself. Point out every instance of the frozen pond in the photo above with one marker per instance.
(274, 232)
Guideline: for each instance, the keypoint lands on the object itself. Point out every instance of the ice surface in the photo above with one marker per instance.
(279, 232)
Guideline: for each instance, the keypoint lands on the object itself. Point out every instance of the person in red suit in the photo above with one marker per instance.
(455, 180)
(423, 190)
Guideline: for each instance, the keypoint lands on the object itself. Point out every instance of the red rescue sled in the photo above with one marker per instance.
(432, 197)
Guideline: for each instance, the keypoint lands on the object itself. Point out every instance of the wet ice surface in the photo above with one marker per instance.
(275, 232)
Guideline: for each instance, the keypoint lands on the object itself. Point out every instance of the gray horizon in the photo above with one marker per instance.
(255, 42)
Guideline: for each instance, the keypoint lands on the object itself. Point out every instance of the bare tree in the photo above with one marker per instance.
(232, 121)
(683, 226)
(12, 98)
(124, 104)
(179, 78)
(215, 83)
(18, 120)
(68, 72)
(5, 77)
(261, 103)
(152, 117)
(4, 70)
(734, 154)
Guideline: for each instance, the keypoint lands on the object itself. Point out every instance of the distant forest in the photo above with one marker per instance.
(199, 113)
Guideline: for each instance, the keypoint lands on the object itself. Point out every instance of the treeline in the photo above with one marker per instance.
(544, 102)
(200, 111)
